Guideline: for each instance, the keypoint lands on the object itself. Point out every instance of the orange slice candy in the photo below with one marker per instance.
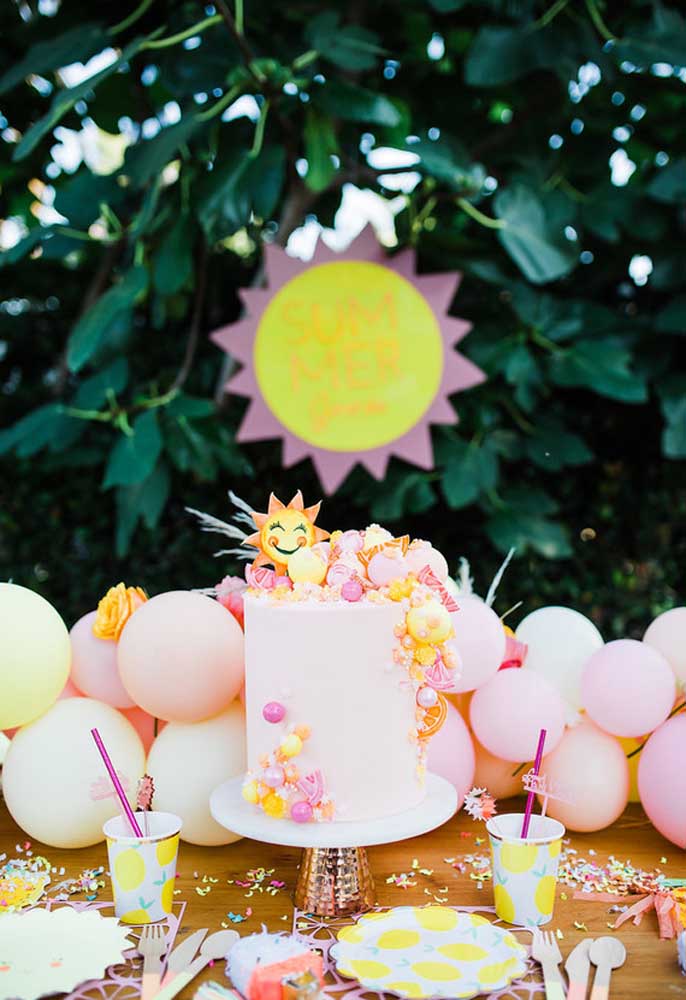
(433, 718)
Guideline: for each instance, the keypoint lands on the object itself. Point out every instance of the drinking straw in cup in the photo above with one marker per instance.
(133, 822)
(143, 870)
(530, 796)
(525, 868)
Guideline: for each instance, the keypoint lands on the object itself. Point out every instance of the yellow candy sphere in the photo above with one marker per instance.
(274, 806)
(291, 745)
(306, 566)
(429, 622)
(249, 792)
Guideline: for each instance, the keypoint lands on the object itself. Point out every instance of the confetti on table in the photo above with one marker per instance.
(580, 925)
(403, 881)
(614, 876)
(559, 935)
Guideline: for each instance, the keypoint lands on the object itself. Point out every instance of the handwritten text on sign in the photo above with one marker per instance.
(348, 355)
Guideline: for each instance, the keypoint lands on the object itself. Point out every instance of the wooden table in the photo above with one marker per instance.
(651, 970)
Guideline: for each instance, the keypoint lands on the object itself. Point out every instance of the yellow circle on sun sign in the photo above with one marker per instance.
(348, 355)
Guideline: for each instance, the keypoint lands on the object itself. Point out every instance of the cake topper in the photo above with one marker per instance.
(284, 530)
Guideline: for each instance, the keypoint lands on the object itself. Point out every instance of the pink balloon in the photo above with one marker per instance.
(94, 665)
(662, 779)
(70, 691)
(495, 774)
(667, 634)
(479, 640)
(144, 724)
(451, 754)
(627, 688)
(591, 770)
(509, 711)
(181, 657)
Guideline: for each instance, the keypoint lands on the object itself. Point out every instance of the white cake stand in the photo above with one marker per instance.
(334, 874)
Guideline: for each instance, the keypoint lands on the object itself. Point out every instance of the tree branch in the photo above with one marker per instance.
(196, 319)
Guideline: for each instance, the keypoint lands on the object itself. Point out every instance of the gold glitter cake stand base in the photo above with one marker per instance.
(334, 878)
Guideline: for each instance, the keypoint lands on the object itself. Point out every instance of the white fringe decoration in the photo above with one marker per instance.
(490, 596)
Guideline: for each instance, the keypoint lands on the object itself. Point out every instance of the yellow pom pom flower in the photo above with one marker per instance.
(274, 806)
(426, 655)
(291, 745)
(250, 793)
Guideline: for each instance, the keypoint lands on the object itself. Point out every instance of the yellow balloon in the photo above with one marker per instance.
(629, 744)
(35, 655)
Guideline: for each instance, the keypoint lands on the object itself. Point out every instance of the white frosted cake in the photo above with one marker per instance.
(348, 648)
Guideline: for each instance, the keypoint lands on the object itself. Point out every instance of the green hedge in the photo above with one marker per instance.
(521, 116)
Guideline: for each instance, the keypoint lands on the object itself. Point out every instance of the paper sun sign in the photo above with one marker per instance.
(349, 358)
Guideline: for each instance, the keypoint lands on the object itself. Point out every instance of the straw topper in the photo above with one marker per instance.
(541, 784)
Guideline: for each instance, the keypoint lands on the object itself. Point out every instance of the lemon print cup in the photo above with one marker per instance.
(143, 871)
(525, 871)
(431, 951)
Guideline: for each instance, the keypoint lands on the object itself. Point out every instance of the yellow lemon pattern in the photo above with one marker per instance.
(129, 869)
(555, 848)
(518, 857)
(463, 952)
(504, 906)
(545, 895)
(167, 850)
(398, 939)
(135, 917)
(167, 895)
(431, 951)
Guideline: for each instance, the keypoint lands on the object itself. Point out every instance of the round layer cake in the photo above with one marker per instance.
(331, 668)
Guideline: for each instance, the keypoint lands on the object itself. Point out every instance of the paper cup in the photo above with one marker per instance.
(143, 871)
(525, 870)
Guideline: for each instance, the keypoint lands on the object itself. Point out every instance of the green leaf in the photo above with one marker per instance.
(149, 157)
(87, 335)
(662, 42)
(355, 104)
(447, 160)
(672, 319)
(189, 449)
(64, 100)
(469, 470)
(320, 145)
(673, 404)
(240, 188)
(669, 185)
(447, 6)
(402, 494)
(39, 234)
(173, 262)
(75, 45)
(552, 447)
(92, 393)
(190, 406)
(512, 529)
(146, 499)
(80, 196)
(349, 46)
(134, 455)
(501, 55)
(539, 249)
(603, 365)
(522, 371)
(41, 428)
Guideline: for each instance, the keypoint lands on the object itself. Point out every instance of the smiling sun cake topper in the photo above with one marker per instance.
(349, 358)
(284, 530)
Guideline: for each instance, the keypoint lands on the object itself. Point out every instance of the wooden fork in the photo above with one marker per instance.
(152, 946)
(546, 950)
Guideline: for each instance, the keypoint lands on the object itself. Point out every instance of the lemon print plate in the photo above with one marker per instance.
(431, 951)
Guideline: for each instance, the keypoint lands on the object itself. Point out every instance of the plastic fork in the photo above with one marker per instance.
(152, 946)
(546, 950)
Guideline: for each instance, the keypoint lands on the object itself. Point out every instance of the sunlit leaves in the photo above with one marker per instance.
(135, 452)
(91, 328)
(536, 245)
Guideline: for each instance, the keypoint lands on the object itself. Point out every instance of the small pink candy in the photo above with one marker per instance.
(352, 591)
(383, 568)
(426, 697)
(301, 812)
(273, 712)
(339, 572)
(350, 541)
(274, 776)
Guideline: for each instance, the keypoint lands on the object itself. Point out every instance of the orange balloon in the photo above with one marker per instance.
(495, 774)
(144, 724)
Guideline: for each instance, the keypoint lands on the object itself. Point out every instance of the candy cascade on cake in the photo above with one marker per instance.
(373, 618)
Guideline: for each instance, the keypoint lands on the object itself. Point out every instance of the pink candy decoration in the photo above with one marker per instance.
(263, 578)
(426, 697)
(383, 568)
(312, 787)
(273, 712)
(421, 554)
(339, 573)
(274, 776)
(350, 541)
(352, 591)
(301, 812)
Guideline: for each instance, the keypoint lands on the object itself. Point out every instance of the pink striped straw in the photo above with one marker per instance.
(530, 796)
(133, 822)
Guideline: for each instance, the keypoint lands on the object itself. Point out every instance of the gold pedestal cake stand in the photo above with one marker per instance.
(335, 877)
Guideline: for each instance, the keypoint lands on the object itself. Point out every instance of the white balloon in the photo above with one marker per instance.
(560, 641)
(54, 781)
(188, 760)
(667, 634)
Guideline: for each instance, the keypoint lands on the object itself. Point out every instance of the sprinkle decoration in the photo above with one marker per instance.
(479, 804)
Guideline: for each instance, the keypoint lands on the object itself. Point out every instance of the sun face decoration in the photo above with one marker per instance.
(284, 530)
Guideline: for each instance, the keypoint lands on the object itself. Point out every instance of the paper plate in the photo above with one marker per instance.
(431, 951)
(51, 951)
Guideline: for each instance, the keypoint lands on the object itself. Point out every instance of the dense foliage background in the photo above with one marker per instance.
(549, 165)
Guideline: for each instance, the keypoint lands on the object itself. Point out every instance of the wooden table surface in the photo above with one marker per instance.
(651, 969)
